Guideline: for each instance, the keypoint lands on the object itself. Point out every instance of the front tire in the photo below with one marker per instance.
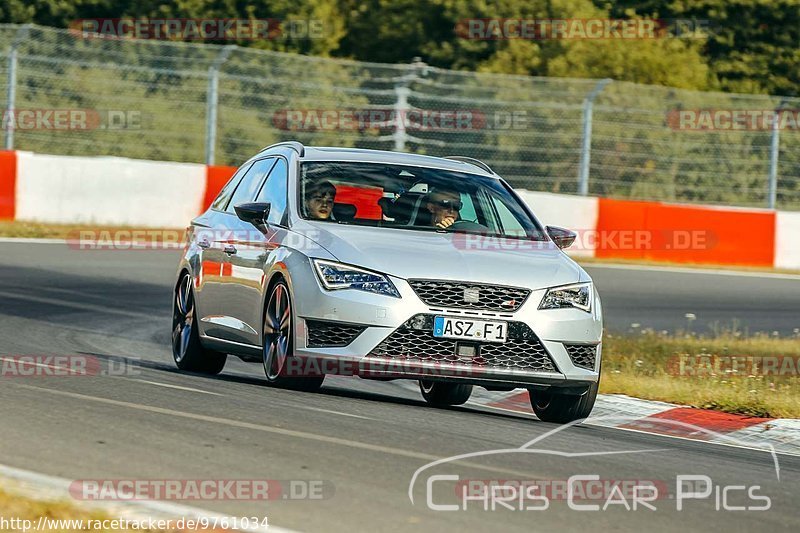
(279, 343)
(187, 349)
(563, 408)
(439, 393)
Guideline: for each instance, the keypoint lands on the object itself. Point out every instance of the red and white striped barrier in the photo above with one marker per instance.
(121, 191)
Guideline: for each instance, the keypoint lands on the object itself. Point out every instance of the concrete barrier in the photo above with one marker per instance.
(122, 191)
(107, 190)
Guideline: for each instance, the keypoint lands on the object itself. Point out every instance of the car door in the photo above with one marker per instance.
(208, 234)
(255, 249)
(221, 320)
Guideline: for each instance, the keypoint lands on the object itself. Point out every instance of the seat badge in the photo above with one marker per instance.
(472, 295)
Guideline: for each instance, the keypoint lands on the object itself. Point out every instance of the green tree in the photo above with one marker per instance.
(753, 46)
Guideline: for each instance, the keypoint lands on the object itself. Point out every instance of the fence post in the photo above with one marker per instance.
(586, 145)
(11, 94)
(401, 91)
(212, 97)
(774, 151)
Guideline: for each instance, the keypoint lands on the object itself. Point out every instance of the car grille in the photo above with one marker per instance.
(582, 355)
(414, 341)
(469, 295)
(323, 334)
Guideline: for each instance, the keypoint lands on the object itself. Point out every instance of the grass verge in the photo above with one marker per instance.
(755, 376)
(16, 509)
(38, 230)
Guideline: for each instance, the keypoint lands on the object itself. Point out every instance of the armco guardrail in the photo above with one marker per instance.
(176, 101)
(120, 191)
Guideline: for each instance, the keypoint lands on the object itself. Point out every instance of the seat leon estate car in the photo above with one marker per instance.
(384, 265)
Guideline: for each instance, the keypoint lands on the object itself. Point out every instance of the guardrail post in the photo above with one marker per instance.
(212, 97)
(11, 94)
(586, 145)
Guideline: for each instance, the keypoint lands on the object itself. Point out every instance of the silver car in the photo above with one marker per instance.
(383, 265)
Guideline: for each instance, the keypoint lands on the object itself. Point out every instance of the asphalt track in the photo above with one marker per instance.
(364, 439)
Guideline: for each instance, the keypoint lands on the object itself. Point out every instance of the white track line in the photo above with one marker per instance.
(270, 429)
(98, 244)
(689, 270)
(28, 240)
(75, 305)
(318, 410)
(167, 385)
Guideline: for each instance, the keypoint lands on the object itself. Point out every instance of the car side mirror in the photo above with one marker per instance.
(562, 237)
(253, 212)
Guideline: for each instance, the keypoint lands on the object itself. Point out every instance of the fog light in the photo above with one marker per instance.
(418, 322)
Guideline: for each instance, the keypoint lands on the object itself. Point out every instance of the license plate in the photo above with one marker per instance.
(469, 329)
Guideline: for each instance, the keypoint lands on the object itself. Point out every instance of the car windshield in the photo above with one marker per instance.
(408, 197)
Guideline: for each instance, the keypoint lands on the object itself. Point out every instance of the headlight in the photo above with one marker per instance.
(579, 295)
(335, 276)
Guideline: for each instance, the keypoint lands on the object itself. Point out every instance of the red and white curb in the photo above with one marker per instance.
(623, 412)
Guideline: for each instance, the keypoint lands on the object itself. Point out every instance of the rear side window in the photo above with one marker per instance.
(246, 191)
(225, 194)
(274, 192)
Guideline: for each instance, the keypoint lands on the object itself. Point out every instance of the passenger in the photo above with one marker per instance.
(319, 200)
(444, 206)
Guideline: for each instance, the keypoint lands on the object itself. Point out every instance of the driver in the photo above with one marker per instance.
(444, 206)
(319, 199)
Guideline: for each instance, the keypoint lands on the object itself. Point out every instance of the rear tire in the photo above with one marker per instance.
(440, 393)
(187, 349)
(563, 408)
(279, 343)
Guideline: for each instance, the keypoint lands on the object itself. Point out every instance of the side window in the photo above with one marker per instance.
(274, 192)
(225, 194)
(468, 210)
(246, 191)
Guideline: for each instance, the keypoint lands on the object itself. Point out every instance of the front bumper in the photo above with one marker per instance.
(381, 316)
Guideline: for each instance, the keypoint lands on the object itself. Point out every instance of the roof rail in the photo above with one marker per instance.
(472, 161)
(297, 146)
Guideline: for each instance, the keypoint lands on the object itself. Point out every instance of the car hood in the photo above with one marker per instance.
(452, 256)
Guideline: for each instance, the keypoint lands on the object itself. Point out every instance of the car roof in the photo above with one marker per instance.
(332, 153)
